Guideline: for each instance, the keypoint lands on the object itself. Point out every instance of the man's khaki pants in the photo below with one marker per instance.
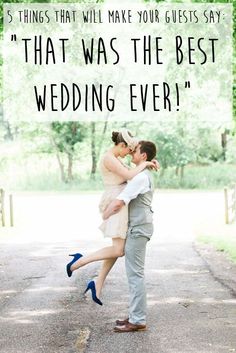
(135, 251)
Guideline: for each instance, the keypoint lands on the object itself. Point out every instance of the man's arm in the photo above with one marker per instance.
(138, 185)
(113, 208)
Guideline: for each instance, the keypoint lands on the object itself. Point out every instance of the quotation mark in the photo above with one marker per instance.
(187, 84)
(13, 38)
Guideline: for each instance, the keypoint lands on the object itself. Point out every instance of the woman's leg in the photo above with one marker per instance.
(110, 252)
(105, 269)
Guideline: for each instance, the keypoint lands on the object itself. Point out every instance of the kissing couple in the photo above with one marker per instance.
(127, 219)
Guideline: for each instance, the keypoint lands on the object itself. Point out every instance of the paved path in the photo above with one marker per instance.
(43, 311)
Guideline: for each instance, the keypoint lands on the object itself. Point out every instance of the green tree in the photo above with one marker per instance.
(174, 150)
(65, 137)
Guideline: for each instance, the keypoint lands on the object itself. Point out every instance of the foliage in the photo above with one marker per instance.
(214, 176)
(173, 149)
(231, 150)
(207, 146)
(66, 135)
(76, 147)
(40, 172)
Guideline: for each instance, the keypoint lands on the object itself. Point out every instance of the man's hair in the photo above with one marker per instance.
(149, 148)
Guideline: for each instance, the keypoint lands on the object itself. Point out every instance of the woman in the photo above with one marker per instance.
(115, 175)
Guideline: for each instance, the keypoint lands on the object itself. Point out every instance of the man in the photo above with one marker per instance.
(138, 195)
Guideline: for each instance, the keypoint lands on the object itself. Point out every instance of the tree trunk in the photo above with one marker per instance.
(224, 144)
(93, 149)
(102, 139)
(9, 135)
(182, 173)
(106, 120)
(69, 169)
(61, 166)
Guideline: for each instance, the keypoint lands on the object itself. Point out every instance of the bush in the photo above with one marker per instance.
(213, 176)
(231, 150)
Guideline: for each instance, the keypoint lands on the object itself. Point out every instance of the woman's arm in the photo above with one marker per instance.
(115, 166)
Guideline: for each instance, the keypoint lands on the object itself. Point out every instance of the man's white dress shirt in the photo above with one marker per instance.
(138, 185)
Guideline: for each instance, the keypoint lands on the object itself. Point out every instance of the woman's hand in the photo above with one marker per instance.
(157, 164)
(154, 164)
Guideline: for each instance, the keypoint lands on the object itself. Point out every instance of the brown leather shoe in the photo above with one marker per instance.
(122, 322)
(128, 327)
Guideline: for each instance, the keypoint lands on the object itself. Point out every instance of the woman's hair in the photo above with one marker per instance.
(118, 138)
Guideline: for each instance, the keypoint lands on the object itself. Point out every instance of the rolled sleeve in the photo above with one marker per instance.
(138, 185)
(123, 197)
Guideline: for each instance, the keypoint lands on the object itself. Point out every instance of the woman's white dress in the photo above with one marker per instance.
(116, 225)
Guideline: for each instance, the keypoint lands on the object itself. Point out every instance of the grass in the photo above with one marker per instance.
(208, 177)
(41, 173)
(53, 183)
(226, 244)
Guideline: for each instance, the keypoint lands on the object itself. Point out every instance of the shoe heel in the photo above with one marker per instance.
(91, 286)
(76, 256)
(86, 290)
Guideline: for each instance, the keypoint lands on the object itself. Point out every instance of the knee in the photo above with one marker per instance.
(119, 252)
(122, 253)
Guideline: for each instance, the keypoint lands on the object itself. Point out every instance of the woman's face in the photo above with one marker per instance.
(124, 150)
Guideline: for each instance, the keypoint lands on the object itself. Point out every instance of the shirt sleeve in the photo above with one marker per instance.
(138, 185)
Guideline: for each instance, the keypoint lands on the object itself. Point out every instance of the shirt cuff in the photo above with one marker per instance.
(123, 198)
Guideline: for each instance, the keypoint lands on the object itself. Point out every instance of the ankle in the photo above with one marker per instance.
(98, 288)
(74, 267)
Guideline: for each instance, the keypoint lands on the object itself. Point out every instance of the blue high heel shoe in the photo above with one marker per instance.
(91, 285)
(68, 266)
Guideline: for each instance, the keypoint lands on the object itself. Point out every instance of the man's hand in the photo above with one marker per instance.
(113, 208)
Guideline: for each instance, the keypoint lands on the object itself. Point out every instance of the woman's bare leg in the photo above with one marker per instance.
(105, 269)
(110, 252)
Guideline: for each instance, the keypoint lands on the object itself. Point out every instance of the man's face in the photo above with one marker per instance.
(137, 156)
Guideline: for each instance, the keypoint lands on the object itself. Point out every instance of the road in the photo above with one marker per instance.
(44, 311)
